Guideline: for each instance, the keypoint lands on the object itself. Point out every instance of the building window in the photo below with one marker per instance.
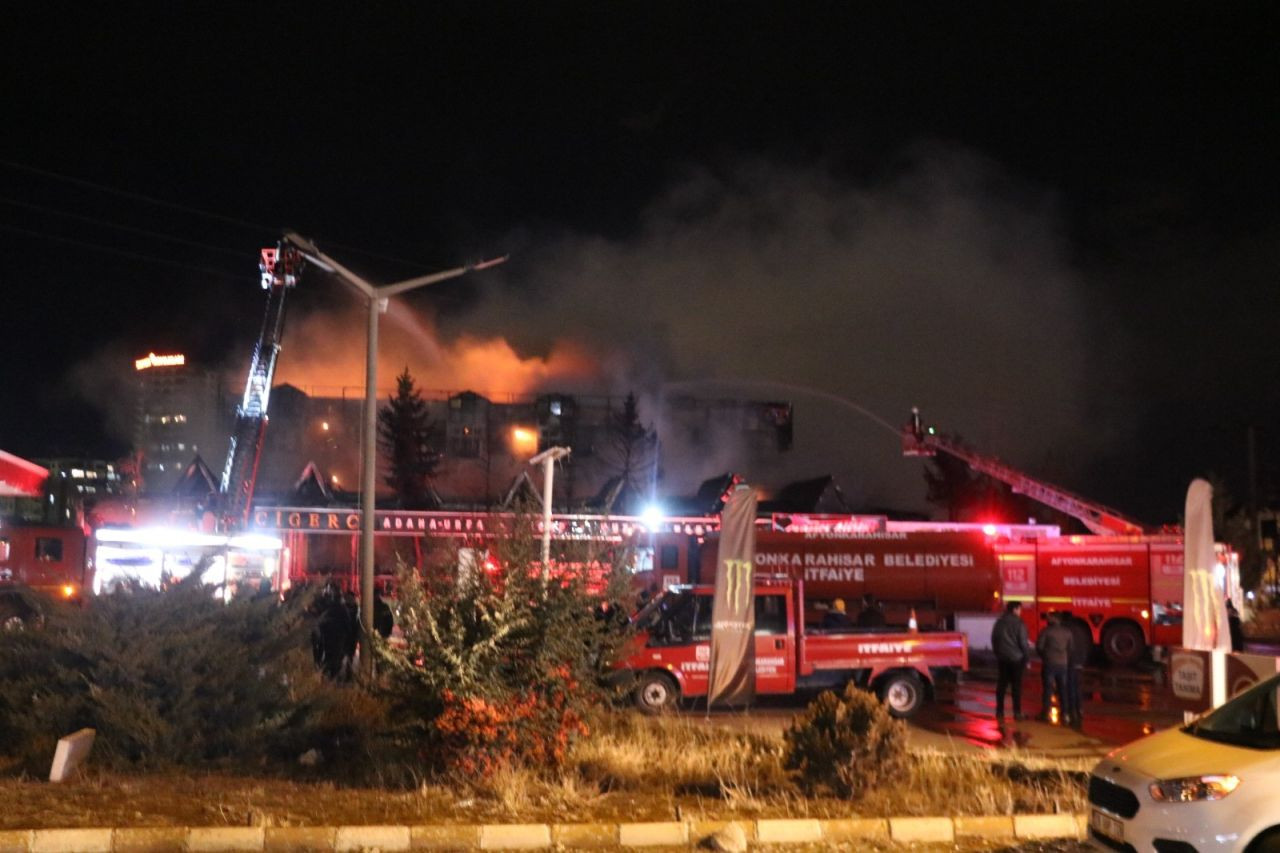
(670, 557)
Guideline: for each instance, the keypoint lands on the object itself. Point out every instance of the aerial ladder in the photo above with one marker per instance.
(918, 440)
(281, 267)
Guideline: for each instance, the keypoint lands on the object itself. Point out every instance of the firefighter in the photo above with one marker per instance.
(836, 617)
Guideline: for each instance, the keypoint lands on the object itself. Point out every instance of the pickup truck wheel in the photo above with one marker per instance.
(655, 692)
(902, 693)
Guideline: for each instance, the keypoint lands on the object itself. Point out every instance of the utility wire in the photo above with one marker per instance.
(23, 167)
(120, 252)
(239, 253)
(135, 196)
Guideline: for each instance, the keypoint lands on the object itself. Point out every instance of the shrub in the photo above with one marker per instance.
(172, 677)
(500, 668)
(846, 743)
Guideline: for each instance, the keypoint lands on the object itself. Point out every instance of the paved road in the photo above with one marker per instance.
(1120, 705)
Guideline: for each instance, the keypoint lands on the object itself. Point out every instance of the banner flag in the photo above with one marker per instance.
(1204, 608)
(732, 678)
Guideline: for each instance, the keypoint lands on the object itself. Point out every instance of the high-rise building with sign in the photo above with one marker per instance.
(182, 412)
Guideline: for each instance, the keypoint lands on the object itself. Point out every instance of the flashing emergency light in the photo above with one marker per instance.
(989, 529)
(652, 516)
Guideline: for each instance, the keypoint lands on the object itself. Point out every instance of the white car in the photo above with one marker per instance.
(1211, 785)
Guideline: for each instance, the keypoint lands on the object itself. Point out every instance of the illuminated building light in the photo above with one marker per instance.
(153, 360)
(324, 425)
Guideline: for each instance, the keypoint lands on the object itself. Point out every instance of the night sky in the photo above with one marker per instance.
(1054, 227)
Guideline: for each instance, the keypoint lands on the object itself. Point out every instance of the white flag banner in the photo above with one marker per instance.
(1204, 610)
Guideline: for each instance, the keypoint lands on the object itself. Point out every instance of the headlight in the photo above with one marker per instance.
(1193, 788)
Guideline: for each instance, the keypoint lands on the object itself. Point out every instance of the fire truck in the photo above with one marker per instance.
(669, 657)
(47, 559)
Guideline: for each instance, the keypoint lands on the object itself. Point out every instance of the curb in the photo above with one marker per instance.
(537, 836)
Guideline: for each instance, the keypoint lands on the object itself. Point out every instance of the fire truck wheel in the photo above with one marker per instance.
(1123, 643)
(655, 692)
(902, 693)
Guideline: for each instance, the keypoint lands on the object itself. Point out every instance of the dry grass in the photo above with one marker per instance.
(632, 768)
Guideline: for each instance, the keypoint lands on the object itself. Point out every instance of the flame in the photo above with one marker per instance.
(325, 353)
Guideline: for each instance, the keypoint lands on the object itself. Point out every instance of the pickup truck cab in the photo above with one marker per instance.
(669, 657)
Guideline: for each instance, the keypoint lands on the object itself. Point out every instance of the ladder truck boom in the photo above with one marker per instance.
(281, 266)
(918, 440)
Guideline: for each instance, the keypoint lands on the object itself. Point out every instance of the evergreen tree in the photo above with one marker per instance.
(631, 448)
(406, 434)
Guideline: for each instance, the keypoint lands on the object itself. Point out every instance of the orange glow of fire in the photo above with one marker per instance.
(325, 354)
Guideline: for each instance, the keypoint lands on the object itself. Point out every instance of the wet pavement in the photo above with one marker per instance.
(1120, 705)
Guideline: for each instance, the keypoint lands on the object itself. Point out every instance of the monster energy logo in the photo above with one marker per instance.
(737, 588)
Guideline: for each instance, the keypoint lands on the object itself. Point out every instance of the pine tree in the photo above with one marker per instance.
(406, 434)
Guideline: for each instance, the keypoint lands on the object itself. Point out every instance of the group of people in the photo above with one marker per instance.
(870, 616)
(335, 634)
(1062, 661)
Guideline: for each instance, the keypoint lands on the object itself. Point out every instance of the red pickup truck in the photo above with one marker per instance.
(668, 658)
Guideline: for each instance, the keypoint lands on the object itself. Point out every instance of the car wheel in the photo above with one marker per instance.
(1267, 842)
(902, 693)
(1123, 643)
(655, 692)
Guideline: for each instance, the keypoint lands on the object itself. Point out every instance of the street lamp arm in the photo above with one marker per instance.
(421, 281)
(327, 263)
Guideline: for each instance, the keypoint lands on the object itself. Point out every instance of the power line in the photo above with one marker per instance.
(23, 167)
(239, 253)
(120, 252)
(136, 196)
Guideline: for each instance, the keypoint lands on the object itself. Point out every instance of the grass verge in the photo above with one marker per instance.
(632, 768)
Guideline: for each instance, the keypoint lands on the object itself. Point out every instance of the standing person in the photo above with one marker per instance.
(1054, 646)
(383, 619)
(1235, 626)
(352, 606)
(871, 616)
(1012, 646)
(1075, 674)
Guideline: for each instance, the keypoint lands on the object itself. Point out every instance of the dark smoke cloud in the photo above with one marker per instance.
(947, 287)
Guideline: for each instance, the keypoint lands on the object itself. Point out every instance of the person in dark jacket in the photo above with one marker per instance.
(1012, 647)
(1054, 647)
(383, 619)
(1075, 672)
(1235, 626)
(836, 617)
(871, 616)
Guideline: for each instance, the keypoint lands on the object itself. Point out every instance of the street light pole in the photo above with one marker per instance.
(548, 459)
(376, 298)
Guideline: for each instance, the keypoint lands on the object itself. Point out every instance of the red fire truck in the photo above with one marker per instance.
(669, 658)
(1121, 593)
(48, 560)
